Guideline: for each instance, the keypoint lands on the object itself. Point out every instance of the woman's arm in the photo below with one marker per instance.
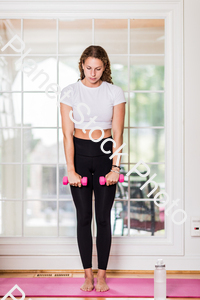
(117, 133)
(67, 129)
(118, 128)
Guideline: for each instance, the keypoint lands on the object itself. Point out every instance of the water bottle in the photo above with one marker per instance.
(160, 281)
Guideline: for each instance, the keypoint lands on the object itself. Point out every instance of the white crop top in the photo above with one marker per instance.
(99, 102)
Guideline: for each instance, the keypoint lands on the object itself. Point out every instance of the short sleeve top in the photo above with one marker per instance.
(92, 103)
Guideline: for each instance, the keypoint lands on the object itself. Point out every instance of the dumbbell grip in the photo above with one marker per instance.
(84, 180)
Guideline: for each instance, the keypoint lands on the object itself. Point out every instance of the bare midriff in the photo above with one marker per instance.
(95, 134)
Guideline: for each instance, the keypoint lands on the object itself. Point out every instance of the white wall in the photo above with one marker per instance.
(192, 120)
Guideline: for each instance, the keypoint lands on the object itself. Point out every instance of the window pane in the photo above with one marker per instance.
(147, 73)
(8, 29)
(122, 187)
(147, 145)
(74, 35)
(147, 36)
(126, 110)
(40, 218)
(10, 182)
(119, 71)
(146, 218)
(10, 109)
(10, 74)
(68, 70)
(62, 158)
(146, 109)
(40, 35)
(64, 190)
(10, 145)
(39, 72)
(10, 218)
(119, 215)
(124, 158)
(39, 182)
(40, 145)
(67, 219)
(39, 110)
(112, 35)
(137, 181)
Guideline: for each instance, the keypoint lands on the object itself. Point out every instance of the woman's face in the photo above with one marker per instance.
(93, 69)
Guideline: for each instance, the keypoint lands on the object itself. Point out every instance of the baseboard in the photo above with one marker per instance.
(115, 263)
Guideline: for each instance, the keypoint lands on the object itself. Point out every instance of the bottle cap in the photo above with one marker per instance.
(160, 263)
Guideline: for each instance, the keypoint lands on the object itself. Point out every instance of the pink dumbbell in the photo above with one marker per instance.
(84, 180)
(102, 180)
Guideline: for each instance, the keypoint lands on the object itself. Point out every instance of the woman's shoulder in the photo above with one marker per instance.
(72, 86)
(68, 93)
(70, 89)
(114, 89)
(117, 93)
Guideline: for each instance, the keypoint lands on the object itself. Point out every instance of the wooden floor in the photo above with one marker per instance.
(109, 273)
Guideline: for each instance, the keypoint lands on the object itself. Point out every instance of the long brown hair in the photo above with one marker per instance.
(100, 53)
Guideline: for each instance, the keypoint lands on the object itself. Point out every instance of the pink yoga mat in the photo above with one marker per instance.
(119, 287)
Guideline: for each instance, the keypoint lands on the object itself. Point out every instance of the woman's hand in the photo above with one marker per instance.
(112, 178)
(74, 178)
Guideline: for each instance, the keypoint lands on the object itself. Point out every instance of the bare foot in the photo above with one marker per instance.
(88, 284)
(101, 285)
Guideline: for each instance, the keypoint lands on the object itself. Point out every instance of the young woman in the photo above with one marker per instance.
(85, 158)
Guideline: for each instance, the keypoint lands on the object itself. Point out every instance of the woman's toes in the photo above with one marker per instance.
(101, 286)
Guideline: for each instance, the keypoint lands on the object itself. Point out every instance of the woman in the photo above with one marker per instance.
(102, 106)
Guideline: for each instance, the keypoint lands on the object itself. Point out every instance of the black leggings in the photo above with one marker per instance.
(91, 162)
